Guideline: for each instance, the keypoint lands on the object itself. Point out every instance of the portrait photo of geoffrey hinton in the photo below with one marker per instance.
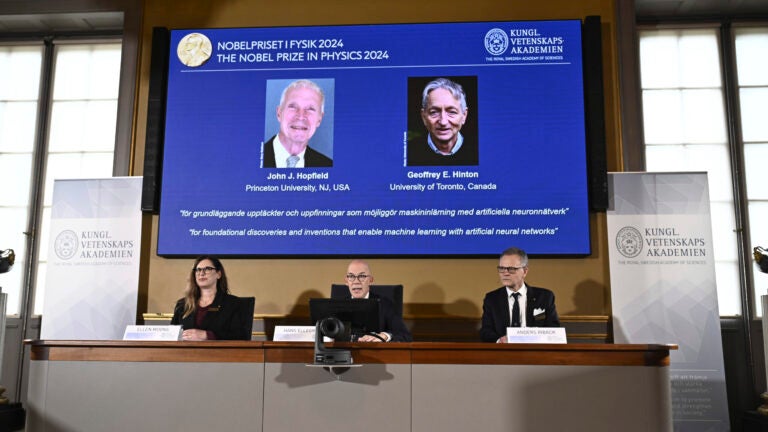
(303, 119)
(442, 121)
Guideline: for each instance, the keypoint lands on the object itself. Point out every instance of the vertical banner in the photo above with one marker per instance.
(91, 286)
(663, 286)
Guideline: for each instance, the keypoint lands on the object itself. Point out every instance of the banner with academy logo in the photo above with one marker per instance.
(663, 286)
(91, 286)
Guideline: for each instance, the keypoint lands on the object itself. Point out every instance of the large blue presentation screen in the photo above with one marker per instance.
(455, 139)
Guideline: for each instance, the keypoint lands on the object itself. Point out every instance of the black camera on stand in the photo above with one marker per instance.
(334, 328)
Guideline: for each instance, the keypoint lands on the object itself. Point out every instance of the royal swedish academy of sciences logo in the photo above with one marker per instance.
(496, 41)
(65, 245)
(629, 242)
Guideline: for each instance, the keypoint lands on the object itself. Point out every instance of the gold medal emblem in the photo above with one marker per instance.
(194, 49)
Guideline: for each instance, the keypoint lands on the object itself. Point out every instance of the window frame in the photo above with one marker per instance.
(635, 154)
(40, 151)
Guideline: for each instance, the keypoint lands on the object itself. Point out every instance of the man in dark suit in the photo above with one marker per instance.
(301, 109)
(443, 112)
(516, 304)
(392, 328)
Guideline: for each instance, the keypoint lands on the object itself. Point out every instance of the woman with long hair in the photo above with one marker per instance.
(208, 311)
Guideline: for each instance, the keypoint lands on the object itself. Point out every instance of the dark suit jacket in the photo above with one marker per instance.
(391, 322)
(225, 318)
(496, 317)
(420, 154)
(312, 157)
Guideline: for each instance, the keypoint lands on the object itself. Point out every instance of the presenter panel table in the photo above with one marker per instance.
(266, 386)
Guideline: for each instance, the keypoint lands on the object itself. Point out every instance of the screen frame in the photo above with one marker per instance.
(595, 193)
(362, 315)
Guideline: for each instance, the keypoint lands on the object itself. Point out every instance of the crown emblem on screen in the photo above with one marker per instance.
(496, 41)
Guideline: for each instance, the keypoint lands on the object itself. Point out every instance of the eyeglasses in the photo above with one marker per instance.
(360, 278)
(503, 269)
(204, 270)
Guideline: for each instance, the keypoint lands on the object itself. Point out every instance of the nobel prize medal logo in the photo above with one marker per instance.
(629, 242)
(65, 245)
(194, 49)
(496, 41)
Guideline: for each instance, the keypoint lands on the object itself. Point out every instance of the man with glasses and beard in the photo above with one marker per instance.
(516, 304)
(359, 279)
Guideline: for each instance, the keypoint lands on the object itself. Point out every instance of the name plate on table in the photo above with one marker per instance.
(152, 332)
(296, 334)
(536, 335)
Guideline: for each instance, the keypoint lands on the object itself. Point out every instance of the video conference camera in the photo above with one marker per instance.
(334, 328)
